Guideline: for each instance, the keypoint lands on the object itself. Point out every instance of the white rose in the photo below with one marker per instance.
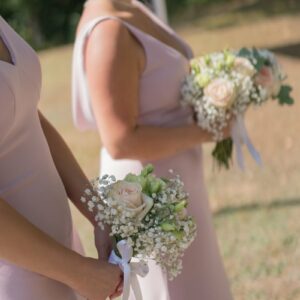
(129, 195)
(243, 66)
(220, 92)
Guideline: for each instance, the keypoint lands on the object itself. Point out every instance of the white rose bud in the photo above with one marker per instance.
(243, 66)
(130, 197)
(221, 93)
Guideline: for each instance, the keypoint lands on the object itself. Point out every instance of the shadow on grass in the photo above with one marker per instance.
(292, 50)
(253, 207)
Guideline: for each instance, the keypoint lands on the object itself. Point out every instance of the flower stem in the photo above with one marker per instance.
(222, 153)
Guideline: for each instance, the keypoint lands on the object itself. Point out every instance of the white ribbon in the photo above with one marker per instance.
(130, 269)
(240, 137)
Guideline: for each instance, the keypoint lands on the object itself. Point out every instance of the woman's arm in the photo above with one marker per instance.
(113, 71)
(72, 176)
(26, 246)
(75, 182)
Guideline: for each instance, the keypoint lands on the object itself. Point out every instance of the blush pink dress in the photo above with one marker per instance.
(29, 181)
(203, 276)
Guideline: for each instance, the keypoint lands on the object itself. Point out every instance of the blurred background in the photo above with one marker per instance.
(256, 212)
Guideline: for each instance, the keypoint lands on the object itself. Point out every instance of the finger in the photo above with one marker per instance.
(118, 290)
(120, 287)
(116, 295)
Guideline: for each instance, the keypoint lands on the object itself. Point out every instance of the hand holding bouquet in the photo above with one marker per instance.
(223, 85)
(148, 220)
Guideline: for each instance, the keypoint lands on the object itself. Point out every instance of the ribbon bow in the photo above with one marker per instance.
(130, 269)
(240, 136)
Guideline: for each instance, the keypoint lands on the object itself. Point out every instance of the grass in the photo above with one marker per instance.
(260, 244)
(256, 213)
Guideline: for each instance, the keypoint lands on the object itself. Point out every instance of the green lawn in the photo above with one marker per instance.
(256, 213)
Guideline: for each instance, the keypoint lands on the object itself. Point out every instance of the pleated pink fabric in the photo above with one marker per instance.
(203, 276)
(29, 181)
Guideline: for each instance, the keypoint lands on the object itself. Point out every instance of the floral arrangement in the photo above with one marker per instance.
(221, 87)
(147, 213)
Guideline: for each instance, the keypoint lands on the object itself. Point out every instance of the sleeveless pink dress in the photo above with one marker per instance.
(203, 275)
(29, 181)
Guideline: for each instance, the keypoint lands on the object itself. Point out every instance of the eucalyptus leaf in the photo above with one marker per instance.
(284, 95)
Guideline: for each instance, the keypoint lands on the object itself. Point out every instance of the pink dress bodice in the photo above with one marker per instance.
(29, 181)
(159, 89)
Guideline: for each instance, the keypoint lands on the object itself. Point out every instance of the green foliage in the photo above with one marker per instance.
(43, 23)
(284, 95)
(53, 22)
(252, 53)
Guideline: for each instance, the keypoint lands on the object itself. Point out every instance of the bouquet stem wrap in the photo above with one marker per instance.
(130, 269)
(240, 137)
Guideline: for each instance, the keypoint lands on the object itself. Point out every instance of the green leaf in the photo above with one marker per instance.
(284, 95)
(178, 234)
(168, 227)
(147, 170)
(253, 54)
(260, 61)
(180, 206)
(137, 179)
(244, 52)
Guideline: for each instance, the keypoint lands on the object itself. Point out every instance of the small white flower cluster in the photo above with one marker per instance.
(224, 84)
(164, 231)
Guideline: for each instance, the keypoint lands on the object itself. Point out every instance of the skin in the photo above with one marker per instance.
(114, 69)
(26, 246)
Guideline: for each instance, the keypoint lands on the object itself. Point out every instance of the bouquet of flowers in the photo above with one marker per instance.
(148, 220)
(221, 87)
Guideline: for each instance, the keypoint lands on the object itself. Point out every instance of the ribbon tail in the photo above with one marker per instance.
(130, 270)
(136, 287)
(239, 155)
(246, 139)
(238, 142)
(127, 279)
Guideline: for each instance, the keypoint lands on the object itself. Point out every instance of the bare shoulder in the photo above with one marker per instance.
(112, 37)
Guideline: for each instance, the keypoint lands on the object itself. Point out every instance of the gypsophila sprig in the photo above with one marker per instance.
(148, 212)
(222, 86)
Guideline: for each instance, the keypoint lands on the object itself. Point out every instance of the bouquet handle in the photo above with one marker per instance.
(130, 269)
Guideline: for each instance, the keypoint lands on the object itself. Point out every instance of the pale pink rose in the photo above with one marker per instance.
(243, 66)
(269, 81)
(129, 196)
(220, 92)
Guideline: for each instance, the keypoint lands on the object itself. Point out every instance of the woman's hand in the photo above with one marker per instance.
(104, 246)
(99, 280)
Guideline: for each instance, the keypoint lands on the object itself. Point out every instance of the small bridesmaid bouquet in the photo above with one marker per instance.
(148, 220)
(223, 85)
